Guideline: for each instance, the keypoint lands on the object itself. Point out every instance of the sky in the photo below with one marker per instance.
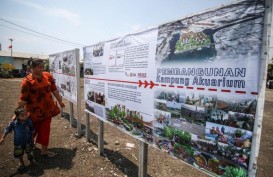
(86, 22)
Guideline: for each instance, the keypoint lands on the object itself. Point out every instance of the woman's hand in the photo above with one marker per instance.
(62, 104)
(59, 98)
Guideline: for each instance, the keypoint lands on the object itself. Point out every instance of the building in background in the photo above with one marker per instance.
(19, 61)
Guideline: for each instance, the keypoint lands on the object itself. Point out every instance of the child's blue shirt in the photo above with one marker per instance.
(22, 131)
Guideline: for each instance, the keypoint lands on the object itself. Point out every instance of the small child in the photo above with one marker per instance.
(23, 136)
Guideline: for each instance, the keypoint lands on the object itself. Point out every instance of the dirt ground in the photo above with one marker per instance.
(77, 157)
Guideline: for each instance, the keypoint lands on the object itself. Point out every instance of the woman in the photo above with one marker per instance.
(36, 89)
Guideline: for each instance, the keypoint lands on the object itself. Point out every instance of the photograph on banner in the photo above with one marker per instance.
(95, 62)
(63, 67)
(54, 65)
(130, 108)
(68, 87)
(236, 111)
(94, 96)
(98, 50)
(200, 44)
(63, 63)
(88, 69)
(207, 155)
(87, 64)
(234, 142)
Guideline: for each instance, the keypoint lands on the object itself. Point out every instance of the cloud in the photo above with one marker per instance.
(30, 4)
(56, 12)
(63, 13)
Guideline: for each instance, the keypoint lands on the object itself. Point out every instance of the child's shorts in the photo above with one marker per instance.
(20, 150)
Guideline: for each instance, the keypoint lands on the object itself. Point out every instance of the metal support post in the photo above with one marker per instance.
(255, 145)
(62, 109)
(71, 113)
(100, 139)
(87, 127)
(79, 122)
(143, 157)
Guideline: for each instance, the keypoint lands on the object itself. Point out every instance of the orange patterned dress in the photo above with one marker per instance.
(38, 95)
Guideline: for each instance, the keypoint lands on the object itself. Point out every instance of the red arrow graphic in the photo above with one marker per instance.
(146, 84)
(140, 83)
(152, 84)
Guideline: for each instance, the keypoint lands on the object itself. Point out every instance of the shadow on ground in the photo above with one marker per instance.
(63, 160)
(93, 136)
(125, 165)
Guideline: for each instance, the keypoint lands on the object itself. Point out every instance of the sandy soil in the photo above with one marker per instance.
(77, 157)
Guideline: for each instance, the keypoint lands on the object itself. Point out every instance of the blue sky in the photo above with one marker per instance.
(86, 21)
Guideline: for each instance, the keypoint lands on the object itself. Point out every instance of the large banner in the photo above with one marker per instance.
(63, 68)
(188, 87)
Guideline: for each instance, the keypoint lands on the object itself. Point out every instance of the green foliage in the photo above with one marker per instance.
(168, 132)
(47, 65)
(118, 115)
(5, 70)
(185, 137)
(114, 113)
(234, 172)
(115, 110)
(270, 67)
(125, 120)
(192, 44)
(122, 114)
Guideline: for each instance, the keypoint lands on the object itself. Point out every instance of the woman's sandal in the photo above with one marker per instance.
(49, 154)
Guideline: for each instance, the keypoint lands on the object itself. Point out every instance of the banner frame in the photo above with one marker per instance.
(255, 146)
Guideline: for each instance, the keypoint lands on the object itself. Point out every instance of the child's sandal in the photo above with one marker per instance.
(21, 168)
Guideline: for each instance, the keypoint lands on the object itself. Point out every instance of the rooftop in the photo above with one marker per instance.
(23, 55)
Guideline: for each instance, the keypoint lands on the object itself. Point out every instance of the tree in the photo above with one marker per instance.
(5, 69)
(47, 65)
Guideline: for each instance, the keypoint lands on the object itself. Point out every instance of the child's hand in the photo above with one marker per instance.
(13, 118)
